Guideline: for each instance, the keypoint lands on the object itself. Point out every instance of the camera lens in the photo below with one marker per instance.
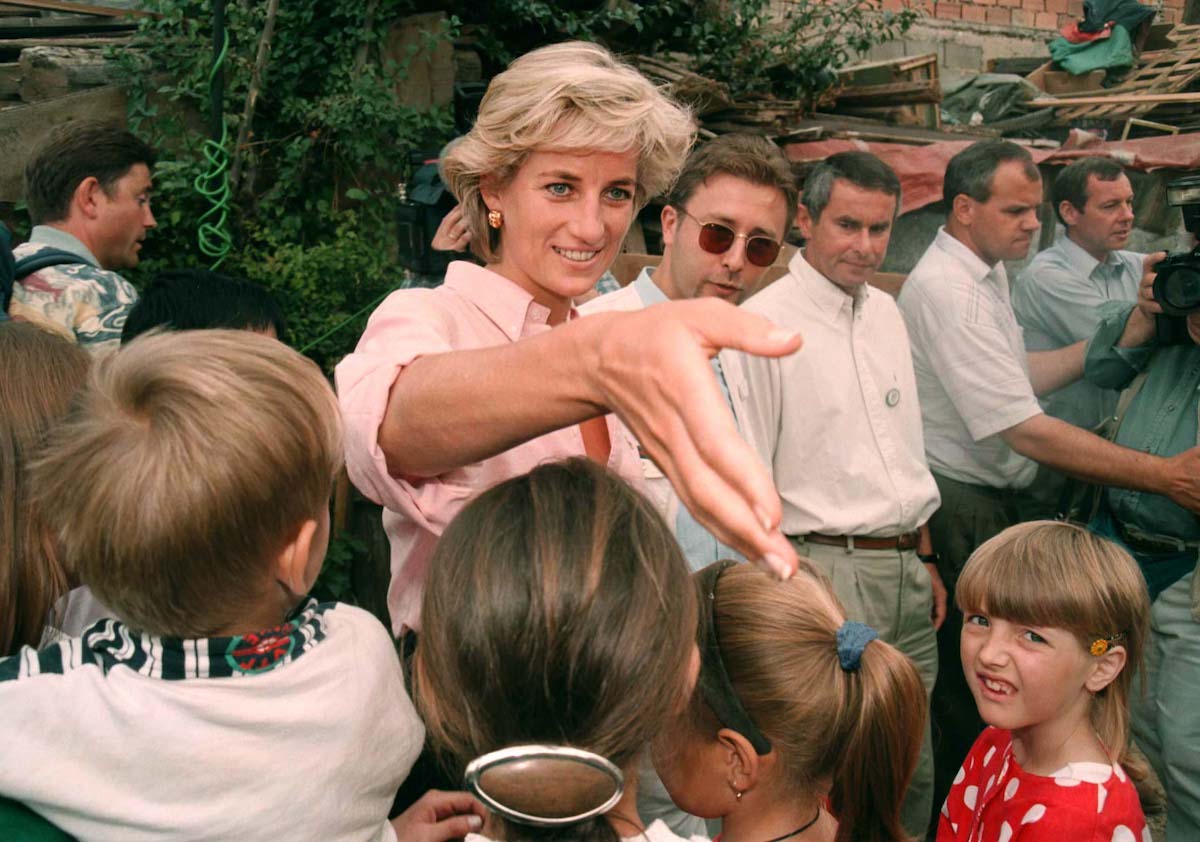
(1183, 288)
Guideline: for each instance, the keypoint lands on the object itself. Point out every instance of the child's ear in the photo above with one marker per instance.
(292, 564)
(744, 766)
(1105, 668)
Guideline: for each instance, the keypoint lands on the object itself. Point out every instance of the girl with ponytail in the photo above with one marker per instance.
(559, 619)
(804, 726)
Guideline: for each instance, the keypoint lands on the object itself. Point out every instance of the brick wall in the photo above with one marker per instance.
(1034, 14)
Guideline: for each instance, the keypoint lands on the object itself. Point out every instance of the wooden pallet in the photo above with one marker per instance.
(904, 91)
(1165, 71)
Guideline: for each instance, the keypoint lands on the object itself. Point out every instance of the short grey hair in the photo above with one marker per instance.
(862, 169)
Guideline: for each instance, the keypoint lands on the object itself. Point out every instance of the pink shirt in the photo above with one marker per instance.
(474, 308)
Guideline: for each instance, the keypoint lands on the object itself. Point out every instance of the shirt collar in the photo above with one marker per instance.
(829, 298)
(110, 643)
(647, 290)
(508, 306)
(1079, 259)
(955, 248)
(47, 235)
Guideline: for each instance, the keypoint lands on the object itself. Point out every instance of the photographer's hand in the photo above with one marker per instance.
(1140, 328)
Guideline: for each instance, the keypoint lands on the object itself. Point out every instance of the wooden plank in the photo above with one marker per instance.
(50, 72)
(903, 64)
(1116, 99)
(894, 93)
(51, 27)
(16, 45)
(23, 127)
(81, 8)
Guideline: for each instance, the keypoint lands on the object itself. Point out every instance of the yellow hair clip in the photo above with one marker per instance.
(1101, 644)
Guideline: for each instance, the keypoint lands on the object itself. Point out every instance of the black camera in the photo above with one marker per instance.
(1177, 279)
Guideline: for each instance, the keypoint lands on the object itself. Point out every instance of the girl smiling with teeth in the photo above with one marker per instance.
(1055, 622)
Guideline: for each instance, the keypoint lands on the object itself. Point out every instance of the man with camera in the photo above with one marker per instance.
(1160, 353)
(1057, 298)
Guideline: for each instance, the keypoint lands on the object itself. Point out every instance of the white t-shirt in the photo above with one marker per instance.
(303, 731)
(656, 832)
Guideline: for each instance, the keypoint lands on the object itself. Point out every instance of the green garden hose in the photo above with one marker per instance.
(213, 184)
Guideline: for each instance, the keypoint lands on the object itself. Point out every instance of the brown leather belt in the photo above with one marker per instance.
(907, 541)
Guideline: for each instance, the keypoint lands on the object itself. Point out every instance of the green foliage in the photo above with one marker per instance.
(336, 582)
(313, 215)
(791, 52)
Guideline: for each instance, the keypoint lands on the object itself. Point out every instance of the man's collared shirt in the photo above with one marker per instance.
(838, 421)
(79, 300)
(699, 545)
(970, 362)
(475, 308)
(1057, 301)
(1162, 420)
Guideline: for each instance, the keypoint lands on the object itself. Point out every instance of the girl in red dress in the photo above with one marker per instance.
(805, 726)
(1055, 623)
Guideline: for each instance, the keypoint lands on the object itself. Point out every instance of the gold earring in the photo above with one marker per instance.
(495, 218)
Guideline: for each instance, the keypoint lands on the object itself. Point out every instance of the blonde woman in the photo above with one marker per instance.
(455, 389)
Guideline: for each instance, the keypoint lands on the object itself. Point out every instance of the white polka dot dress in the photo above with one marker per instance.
(994, 800)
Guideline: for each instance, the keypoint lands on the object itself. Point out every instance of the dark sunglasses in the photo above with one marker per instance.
(716, 238)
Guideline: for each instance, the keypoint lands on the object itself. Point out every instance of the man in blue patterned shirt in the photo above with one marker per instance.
(88, 192)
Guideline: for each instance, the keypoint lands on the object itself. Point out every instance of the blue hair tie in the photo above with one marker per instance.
(852, 639)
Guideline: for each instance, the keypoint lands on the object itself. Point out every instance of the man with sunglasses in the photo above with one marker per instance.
(723, 225)
(839, 425)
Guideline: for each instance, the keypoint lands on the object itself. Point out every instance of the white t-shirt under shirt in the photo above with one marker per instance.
(656, 832)
(304, 731)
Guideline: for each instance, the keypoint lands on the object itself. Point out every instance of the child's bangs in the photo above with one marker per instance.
(1036, 579)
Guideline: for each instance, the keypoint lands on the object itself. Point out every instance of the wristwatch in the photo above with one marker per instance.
(929, 558)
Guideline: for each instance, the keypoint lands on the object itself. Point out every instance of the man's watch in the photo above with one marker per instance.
(929, 558)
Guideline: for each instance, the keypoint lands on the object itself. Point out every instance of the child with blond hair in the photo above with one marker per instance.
(804, 727)
(191, 488)
(1055, 622)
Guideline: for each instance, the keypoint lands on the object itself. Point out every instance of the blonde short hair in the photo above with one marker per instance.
(569, 96)
(1049, 573)
(191, 459)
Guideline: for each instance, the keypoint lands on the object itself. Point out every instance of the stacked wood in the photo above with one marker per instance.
(902, 91)
(49, 72)
(705, 96)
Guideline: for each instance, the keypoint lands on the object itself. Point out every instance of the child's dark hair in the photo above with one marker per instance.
(557, 610)
(197, 299)
(43, 373)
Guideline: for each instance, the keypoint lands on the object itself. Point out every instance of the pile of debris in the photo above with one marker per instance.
(50, 48)
(892, 99)
(1161, 93)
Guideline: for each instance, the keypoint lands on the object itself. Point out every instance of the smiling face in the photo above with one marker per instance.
(746, 208)
(122, 217)
(1106, 220)
(1034, 681)
(565, 216)
(1002, 228)
(849, 241)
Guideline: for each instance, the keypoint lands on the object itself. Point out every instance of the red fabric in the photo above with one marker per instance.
(921, 168)
(994, 800)
(1072, 33)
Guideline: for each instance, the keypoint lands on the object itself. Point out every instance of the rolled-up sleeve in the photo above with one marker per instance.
(1106, 365)
(406, 327)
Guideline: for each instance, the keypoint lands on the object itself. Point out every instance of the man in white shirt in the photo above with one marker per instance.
(978, 387)
(723, 225)
(1057, 298)
(839, 425)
